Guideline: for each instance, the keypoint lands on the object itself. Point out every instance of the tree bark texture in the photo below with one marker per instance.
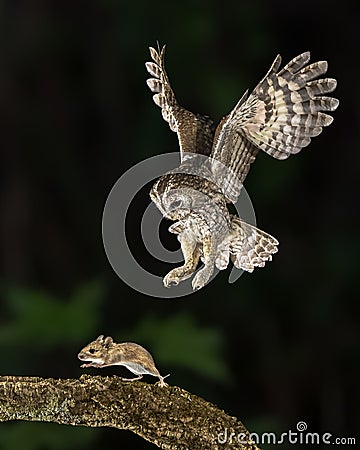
(169, 417)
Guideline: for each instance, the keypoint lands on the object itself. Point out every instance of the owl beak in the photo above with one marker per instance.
(172, 215)
(178, 214)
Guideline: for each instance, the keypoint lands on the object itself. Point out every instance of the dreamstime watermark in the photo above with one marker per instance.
(300, 436)
(116, 244)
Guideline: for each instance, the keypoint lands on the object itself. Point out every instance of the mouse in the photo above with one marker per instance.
(104, 352)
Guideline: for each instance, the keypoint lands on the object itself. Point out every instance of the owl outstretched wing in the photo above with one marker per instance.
(281, 115)
(195, 132)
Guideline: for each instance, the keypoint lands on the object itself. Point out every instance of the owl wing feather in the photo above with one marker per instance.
(250, 247)
(280, 117)
(247, 246)
(195, 132)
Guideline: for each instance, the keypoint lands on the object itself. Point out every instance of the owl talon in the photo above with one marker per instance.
(169, 283)
(176, 228)
(176, 275)
(200, 279)
(171, 280)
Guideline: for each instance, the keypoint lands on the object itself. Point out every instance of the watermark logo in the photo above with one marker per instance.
(122, 259)
(300, 436)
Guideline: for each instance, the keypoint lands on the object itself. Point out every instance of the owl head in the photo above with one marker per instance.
(175, 203)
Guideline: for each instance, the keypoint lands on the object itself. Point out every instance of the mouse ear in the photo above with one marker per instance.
(100, 338)
(108, 341)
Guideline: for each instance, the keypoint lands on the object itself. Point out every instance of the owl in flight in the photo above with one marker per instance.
(280, 116)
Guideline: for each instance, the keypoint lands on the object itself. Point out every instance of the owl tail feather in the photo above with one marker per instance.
(247, 246)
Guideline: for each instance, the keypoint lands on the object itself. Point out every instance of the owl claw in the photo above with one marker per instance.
(200, 279)
(176, 275)
(169, 283)
(197, 284)
(171, 279)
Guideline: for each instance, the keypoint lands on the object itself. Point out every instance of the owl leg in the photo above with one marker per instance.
(176, 228)
(209, 254)
(191, 252)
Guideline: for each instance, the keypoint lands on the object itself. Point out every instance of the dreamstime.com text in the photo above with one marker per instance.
(300, 436)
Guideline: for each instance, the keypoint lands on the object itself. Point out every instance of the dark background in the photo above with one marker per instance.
(279, 346)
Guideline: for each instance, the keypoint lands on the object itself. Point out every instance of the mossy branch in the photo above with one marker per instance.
(169, 417)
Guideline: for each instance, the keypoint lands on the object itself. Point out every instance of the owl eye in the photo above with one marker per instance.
(175, 204)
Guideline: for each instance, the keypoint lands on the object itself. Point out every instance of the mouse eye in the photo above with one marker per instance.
(92, 351)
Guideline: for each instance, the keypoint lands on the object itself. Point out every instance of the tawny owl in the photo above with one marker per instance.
(280, 117)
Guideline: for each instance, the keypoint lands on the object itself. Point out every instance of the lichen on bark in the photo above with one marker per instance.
(169, 417)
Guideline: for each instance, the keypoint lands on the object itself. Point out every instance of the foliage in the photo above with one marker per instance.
(36, 316)
(28, 436)
(178, 341)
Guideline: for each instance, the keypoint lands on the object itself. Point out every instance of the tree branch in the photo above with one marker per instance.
(169, 417)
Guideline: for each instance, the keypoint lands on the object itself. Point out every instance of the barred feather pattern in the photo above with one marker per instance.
(164, 96)
(280, 116)
(195, 131)
(247, 247)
